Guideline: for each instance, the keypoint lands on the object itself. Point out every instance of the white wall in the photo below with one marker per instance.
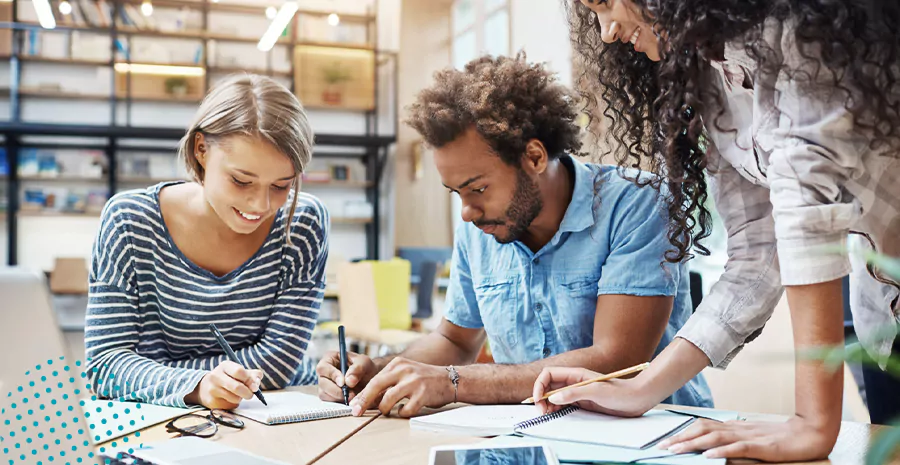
(540, 28)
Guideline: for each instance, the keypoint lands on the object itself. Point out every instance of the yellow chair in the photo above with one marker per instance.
(392, 292)
(359, 298)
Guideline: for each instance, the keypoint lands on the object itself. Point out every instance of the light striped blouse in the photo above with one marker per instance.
(146, 332)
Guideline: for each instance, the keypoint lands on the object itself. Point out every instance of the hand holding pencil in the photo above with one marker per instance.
(560, 386)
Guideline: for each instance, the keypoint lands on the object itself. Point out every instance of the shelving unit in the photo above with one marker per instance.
(369, 148)
(121, 33)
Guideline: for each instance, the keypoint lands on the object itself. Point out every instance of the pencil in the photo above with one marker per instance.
(606, 377)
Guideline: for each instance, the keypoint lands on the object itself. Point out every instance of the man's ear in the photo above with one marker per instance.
(535, 158)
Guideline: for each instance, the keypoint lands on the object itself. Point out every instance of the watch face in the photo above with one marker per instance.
(492, 456)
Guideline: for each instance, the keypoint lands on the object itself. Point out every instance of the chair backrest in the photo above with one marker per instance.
(69, 276)
(392, 289)
(357, 300)
(696, 283)
(32, 367)
(418, 255)
(428, 272)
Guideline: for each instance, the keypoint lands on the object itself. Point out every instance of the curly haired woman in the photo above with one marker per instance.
(789, 109)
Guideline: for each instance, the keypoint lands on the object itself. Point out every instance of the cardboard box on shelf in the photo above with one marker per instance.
(69, 276)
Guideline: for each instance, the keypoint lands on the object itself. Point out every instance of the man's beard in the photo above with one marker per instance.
(525, 206)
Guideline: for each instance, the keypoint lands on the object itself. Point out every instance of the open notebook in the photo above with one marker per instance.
(569, 424)
(290, 407)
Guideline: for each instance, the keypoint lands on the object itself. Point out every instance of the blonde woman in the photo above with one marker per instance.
(239, 247)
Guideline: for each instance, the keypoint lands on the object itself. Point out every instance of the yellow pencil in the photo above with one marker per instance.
(606, 377)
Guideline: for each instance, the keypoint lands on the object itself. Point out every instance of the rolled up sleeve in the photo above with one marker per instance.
(816, 152)
(742, 300)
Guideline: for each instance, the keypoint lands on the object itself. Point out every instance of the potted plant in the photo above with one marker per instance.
(334, 75)
(177, 86)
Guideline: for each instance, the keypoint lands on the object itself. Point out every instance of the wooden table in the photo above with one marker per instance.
(291, 443)
(389, 440)
(375, 440)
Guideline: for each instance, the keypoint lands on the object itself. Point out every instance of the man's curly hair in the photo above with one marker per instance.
(507, 100)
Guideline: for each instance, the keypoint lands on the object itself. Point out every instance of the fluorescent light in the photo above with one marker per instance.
(146, 8)
(282, 19)
(271, 12)
(166, 70)
(65, 7)
(44, 13)
(334, 19)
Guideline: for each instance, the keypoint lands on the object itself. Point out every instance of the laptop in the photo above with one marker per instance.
(41, 389)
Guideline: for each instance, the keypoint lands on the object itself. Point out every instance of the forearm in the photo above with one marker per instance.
(816, 317)
(505, 384)
(433, 349)
(126, 375)
(677, 364)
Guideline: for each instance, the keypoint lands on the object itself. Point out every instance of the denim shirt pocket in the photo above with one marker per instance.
(576, 305)
(498, 302)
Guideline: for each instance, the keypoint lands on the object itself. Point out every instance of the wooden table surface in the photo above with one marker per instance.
(376, 440)
(292, 443)
(390, 440)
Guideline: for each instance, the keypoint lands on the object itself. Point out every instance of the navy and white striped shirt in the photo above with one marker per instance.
(146, 332)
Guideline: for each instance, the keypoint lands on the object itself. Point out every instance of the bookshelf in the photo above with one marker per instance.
(19, 137)
(216, 40)
(120, 25)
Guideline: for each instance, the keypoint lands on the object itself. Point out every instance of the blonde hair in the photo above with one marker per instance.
(253, 106)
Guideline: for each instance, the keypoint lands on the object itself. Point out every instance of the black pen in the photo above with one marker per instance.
(231, 356)
(343, 354)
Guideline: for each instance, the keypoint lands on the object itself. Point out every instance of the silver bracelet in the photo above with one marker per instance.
(454, 378)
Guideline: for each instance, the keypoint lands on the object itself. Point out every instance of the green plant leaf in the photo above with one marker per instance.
(885, 445)
(885, 263)
(889, 265)
(853, 352)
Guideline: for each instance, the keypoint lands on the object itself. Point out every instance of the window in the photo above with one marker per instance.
(479, 27)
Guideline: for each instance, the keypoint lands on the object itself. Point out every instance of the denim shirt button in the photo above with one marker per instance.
(537, 261)
(546, 351)
(538, 307)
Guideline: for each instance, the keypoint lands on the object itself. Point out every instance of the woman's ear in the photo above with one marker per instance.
(535, 159)
(201, 149)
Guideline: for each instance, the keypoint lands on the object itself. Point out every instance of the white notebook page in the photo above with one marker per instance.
(289, 407)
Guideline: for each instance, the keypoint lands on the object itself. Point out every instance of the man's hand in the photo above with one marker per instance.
(424, 386)
(224, 387)
(360, 370)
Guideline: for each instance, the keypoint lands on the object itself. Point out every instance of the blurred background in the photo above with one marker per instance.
(94, 95)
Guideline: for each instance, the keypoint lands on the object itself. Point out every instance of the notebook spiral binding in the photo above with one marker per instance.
(307, 416)
(546, 418)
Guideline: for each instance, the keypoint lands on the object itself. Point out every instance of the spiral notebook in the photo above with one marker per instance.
(569, 424)
(290, 407)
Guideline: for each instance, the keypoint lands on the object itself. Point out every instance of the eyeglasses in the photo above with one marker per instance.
(204, 426)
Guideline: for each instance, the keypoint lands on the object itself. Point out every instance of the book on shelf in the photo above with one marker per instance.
(60, 164)
(4, 164)
(63, 200)
(317, 176)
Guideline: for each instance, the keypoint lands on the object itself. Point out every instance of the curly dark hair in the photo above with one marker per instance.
(653, 109)
(507, 100)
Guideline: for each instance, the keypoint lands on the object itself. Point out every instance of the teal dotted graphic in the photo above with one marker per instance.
(22, 439)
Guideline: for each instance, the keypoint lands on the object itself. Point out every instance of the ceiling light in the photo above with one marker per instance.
(334, 19)
(282, 19)
(146, 8)
(271, 12)
(44, 13)
(65, 7)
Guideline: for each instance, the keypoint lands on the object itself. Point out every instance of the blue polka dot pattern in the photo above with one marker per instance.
(45, 437)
